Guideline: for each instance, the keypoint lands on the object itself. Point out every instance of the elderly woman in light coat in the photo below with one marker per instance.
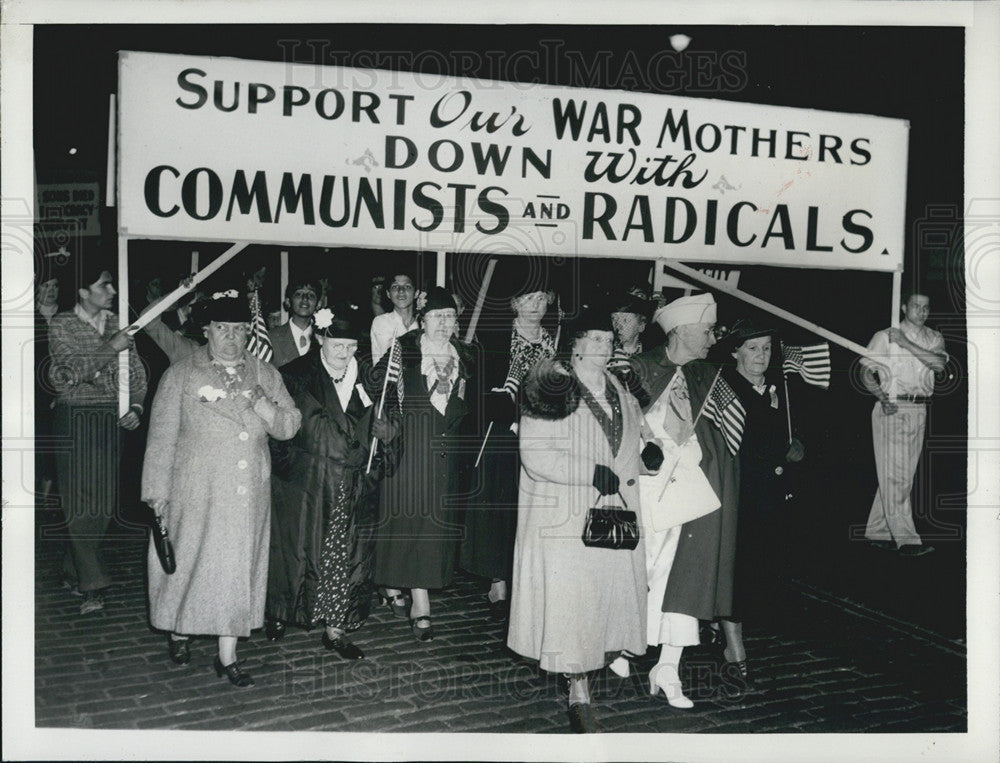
(575, 607)
(207, 473)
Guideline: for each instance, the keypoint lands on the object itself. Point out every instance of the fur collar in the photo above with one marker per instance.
(551, 392)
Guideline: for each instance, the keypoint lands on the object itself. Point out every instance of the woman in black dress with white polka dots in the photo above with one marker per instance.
(324, 503)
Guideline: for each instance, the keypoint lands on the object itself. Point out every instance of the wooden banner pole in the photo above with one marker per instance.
(123, 369)
(442, 269)
(283, 285)
(897, 284)
(163, 305)
(732, 291)
(480, 299)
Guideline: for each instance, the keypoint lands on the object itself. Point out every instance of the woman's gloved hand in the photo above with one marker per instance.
(652, 456)
(605, 480)
(385, 429)
(796, 451)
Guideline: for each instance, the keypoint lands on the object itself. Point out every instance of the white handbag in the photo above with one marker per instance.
(679, 491)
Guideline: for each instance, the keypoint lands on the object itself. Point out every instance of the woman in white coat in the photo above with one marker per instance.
(207, 474)
(574, 607)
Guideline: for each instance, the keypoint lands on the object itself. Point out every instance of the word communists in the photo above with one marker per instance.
(362, 202)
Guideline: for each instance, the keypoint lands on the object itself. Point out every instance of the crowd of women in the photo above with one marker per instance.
(571, 469)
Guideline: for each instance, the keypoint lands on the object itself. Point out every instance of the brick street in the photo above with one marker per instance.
(839, 668)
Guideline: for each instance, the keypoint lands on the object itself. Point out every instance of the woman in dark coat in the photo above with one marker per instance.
(324, 503)
(509, 353)
(420, 522)
(765, 453)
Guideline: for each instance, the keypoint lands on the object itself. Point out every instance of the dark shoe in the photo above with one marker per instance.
(581, 720)
(499, 610)
(399, 605)
(233, 672)
(275, 629)
(882, 545)
(93, 601)
(343, 647)
(180, 650)
(914, 549)
(709, 635)
(425, 633)
(736, 679)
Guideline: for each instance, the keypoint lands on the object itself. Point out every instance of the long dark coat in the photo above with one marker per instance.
(323, 464)
(701, 578)
(420, 505)
(491, 518)
(760, 548)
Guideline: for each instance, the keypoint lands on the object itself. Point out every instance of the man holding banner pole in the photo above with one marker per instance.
(85, 344)
(903, 387)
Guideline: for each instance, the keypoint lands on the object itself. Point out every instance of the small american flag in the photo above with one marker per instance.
(812, 363)
(258, 343)
(725, 410)
(394, 370)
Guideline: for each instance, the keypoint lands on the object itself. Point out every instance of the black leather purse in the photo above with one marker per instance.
(611, 527)
(161, 541)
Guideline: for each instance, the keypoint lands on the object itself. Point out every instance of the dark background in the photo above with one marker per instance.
(910, 73)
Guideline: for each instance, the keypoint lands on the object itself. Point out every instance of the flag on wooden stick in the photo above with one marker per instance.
(726, 411)
(258, 343)
(811, 362)
(394, 373)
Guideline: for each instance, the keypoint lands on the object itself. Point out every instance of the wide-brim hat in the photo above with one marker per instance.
(229, 306)
(339, 322)
(742, 330)
(438, 298)
(516, 276)
(630, 303)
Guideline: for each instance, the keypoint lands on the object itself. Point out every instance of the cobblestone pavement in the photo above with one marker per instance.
(837, 670)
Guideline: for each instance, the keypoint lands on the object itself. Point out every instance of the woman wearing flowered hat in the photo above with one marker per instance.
(321, 563)
(419, 507)
(207, 474)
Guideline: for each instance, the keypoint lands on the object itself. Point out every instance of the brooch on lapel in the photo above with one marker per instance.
(210, 394)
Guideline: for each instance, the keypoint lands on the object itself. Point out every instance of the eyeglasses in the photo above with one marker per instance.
(231, 329)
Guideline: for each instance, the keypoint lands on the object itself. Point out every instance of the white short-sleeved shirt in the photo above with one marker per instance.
(384, 327)
(902, 373)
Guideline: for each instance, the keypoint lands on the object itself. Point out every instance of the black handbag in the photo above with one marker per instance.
(161, 541)
(611, 527)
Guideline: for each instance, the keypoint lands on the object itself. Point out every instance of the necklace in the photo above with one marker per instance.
(231, 375)
(443, 383)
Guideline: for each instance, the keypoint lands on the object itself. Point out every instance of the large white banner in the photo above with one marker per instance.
(226, 149)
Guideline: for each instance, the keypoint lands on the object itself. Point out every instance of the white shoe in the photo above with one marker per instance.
(619, 667)
(665, 678)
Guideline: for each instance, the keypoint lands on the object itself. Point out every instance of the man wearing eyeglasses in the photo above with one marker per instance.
(400, 320)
